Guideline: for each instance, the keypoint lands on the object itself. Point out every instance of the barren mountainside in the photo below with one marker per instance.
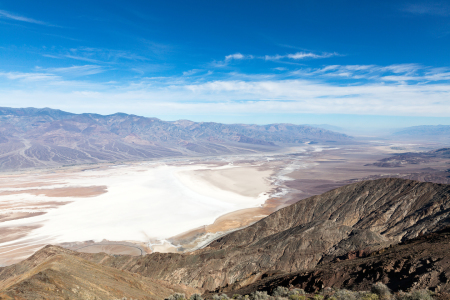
(31, 137)
(421, 263)
(366, 215)
(57, 273)
(316, 242)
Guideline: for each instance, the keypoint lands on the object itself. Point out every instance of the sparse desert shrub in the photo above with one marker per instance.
(297, 297)
(196, 297)
(220, 297)
(237, 296)
(345, 295)
(414, 295)
(318, 297)
(259, 295)
(381, 290)
(296, 292)
(280, 291)
(367, 296)
(177, 296)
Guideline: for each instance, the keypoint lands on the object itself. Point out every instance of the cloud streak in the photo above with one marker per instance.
(431, 8)
(8, 15)
(300, 55)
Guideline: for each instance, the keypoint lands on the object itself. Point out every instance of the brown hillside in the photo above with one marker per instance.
(366, 215)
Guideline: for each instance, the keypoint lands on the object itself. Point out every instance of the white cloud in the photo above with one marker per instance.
(77, 70)
(7, 15)
(300, 55)
(234, 56)
(29, 76)
(396, 90)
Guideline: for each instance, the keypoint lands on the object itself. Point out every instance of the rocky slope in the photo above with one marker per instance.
(309, 244)
(420, 263)
(31, 137)
(366, 215)
(57, 273)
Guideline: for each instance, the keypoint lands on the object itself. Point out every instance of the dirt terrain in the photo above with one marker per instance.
(57, 273)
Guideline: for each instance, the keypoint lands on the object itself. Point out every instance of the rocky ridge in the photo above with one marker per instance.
(419, 263)
(57, 273)
(367, 215)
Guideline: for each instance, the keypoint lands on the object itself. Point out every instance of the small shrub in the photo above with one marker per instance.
(414, 295)
(196, 297)
(381, 290)
(345, 295)
(280, 291)
(219, 297)
(297, 297)
(177, 296)
(237, 296)
(259, 295)
(318, 297)
(368, 296)
(296, 292)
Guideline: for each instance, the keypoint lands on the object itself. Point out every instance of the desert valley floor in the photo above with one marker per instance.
(177, 205)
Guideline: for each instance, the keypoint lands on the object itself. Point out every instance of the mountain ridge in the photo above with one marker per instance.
(31, 138)
(367, 215)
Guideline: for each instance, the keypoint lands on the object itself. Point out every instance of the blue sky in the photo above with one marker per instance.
(346, 63)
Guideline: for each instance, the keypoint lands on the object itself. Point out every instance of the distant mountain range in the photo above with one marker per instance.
(425, 131)
(32, 137)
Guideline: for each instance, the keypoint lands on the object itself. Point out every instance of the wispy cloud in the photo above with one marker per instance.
(428, 8)
(46, 77)
(11, 16)
(238, 56)
(300, 55)
(405, 89)
(77, 71)
(292, 56)
(96, 55)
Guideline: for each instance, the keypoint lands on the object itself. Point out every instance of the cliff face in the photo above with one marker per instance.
(367, 215)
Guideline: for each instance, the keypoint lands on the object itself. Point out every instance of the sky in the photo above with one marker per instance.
(360, 64)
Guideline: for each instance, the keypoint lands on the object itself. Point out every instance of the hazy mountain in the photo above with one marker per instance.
(402, 159)
(425, 131)
(327, 127)
(31, 137)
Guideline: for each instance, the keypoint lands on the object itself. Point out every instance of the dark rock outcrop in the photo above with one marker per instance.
(419, 263)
